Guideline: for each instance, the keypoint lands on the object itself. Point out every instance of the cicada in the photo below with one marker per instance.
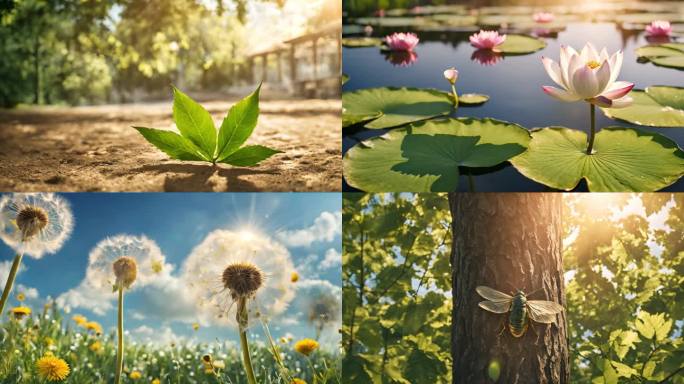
(520, 309)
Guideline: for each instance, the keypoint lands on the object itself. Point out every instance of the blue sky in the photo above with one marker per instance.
(307, 224)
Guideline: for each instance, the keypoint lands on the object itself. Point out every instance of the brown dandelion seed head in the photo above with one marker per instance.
(31, 220)
(242, 279)
(125, 270)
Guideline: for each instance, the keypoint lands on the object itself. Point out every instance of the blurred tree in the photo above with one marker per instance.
(509, 242)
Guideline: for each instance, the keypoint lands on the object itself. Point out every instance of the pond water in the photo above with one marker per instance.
(514, 84)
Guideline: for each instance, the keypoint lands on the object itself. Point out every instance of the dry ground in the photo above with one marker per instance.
(95, 149)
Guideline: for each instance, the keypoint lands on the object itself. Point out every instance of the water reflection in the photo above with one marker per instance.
(486, 57)
(401, 58)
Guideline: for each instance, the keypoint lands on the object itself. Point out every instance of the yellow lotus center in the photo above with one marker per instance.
(593, 64)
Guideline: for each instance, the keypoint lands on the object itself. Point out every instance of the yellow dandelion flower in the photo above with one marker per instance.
(79, 320)
(135, 375)
(95, 347)
(306, 346)
(94, 326)
(157, 266)
(21, 297)
(52, 368)
(156, 381)
(219, 364)
(195, 326)
(49, 341)
(20, 312)
(298, 381)
(294, 277)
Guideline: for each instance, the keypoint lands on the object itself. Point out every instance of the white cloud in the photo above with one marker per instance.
(331, 259)
(160, 336)
(87, 297)
(5, 267)
(30, 292)
(324, 229)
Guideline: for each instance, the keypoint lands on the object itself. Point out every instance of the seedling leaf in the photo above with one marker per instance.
(250, 155)
(238, 125)
(173, 144)
(194, 122)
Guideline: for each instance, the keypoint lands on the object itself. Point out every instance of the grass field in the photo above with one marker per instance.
(91, 356)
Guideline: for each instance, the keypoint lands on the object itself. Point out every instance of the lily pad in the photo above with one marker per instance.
(658, 106)
(396, 106)
(361, 42)
(354, 119)
(425, 156)
(624, 159)
(669, 55)
(520, 45)
(472, 99)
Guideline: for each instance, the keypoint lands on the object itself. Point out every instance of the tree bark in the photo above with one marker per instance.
(507, 241)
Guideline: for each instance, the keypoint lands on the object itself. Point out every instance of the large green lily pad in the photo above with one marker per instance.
(361, 42)
(425, 156)
(397, 106)
(669, 55)
(658, 106)
(624, 159)
(520, 45)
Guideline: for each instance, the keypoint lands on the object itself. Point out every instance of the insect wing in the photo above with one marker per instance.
(493, 295)
(543, 311)
(496, 307)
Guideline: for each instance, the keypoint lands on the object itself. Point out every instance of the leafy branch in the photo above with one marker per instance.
(199, 140)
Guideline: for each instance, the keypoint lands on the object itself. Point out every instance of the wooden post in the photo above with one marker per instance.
(264, 67)
(293, 66)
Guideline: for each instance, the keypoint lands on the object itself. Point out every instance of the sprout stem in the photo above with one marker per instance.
(592, 109)
(120, 327)
(10, 281)
(242, 317)
(455, 94)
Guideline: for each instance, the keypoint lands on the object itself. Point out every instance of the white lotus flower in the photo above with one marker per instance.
(231, 266)
(588, 75)
(35, 223)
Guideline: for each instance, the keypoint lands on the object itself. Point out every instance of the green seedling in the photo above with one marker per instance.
(199, 140)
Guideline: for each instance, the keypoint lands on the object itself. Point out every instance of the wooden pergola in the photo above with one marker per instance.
(320, 82)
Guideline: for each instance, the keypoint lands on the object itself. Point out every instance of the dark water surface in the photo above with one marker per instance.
(514, 84)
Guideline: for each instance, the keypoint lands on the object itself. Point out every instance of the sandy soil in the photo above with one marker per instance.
(95, 149)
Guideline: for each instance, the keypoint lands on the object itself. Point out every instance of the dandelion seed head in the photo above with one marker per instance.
(242, 279)
(227, 266)
(125, 269)
(35, 223)
(125, 260)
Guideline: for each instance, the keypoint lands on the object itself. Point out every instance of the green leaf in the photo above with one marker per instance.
(398, 106)
(653, 326)
(426, 156)
(472, 99)
(658, 106)
(610, 376)
(624, 159)
(669, 55)
(520, 45)
(173, 144)
(194, 122)
(358, 42)
(249, 155)
(349, 120)
(238, 125)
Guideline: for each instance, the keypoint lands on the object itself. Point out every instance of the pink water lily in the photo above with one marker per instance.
(487, 39)
(543, 17)
(588, 75)
(659, 28)
(402, 41)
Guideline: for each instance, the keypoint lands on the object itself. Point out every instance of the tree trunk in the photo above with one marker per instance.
(506, 241)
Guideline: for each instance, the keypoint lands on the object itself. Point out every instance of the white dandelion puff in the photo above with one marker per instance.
(35, 223)
(229, 265)
(125, 260)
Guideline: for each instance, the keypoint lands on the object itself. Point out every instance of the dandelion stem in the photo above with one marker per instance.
(120, 327)
(592, 109)
(10, 281)
(241, 317)
(453, 92)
